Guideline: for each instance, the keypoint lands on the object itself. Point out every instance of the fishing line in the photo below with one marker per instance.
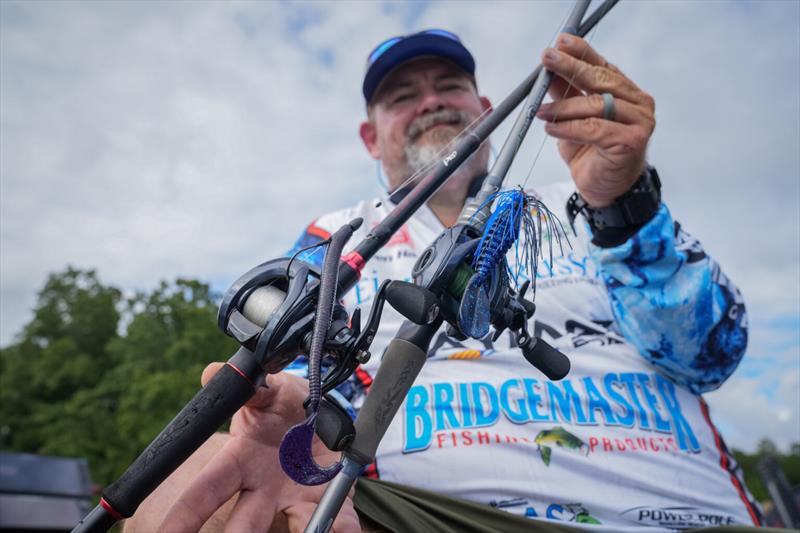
(423, 171)
(592, 35)
(305, 249)
(441, 152)
(379, 175)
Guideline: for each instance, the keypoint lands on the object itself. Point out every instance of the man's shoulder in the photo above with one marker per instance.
(324, 225)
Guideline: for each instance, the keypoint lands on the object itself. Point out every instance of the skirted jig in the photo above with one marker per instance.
(521, 220)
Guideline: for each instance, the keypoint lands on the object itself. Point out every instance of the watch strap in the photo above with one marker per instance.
(632, 209)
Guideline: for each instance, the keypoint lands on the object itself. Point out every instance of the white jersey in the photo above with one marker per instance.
(617, 445)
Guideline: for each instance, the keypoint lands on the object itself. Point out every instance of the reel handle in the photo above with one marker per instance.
(223, 395)
(552, 363)
(416, 303)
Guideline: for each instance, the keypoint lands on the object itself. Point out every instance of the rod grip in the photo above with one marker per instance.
(215, 403)
(400, 366)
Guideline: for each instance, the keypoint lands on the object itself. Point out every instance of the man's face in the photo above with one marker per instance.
(418, 108)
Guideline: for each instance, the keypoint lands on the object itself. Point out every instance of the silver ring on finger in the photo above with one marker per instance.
(609, 110)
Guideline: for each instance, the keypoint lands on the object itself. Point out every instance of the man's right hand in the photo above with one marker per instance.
(248, 464)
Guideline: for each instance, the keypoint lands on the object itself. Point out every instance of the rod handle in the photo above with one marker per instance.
(99, 520)
(214, 404)
(400, 366)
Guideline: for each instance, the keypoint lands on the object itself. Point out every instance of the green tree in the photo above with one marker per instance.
(789, 463)
(172, 336)
(59, 352)
(95, 375)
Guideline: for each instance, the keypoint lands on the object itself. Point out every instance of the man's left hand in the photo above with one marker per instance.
(605, 156)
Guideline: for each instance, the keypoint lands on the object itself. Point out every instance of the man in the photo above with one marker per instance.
(649, 322)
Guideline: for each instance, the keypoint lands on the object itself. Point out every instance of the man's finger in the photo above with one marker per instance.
(347, 520)
(216, 484)
(209, 372)
(591, 78)
(254, 511)
(560, 90)
(581, 49)
(300, 513)
(264, 395)
(604, 134)
(592, 105)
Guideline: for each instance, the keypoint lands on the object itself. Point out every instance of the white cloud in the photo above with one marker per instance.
(746, 415)
(762, 398)
(155, 140)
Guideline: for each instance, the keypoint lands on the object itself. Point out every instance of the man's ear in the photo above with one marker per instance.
(369, 135)
(485, 103)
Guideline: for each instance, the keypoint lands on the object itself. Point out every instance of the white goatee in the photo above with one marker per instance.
(422, 153)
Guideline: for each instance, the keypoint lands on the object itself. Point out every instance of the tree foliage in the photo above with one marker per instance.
(789, 463)
(97, 375)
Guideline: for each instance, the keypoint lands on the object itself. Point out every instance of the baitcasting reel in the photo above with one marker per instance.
(287, 307)
(444, 268)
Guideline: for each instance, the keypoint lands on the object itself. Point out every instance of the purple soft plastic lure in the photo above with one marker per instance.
(513, 212)
(296, 455)
(295, 452)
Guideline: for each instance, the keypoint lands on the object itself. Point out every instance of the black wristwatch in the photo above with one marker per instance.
(627, 214)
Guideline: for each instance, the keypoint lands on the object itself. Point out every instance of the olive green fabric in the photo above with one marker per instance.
(393, 507)
(385, 506)
(738, 529)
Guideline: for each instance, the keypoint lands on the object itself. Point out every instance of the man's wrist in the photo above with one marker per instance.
(614, 224)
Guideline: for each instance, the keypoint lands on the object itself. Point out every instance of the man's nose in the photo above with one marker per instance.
(431, 101)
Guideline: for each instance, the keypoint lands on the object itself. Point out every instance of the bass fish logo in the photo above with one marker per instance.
(560, 437)
(579, 514)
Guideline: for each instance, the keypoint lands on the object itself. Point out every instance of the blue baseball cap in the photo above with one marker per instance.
(392, 52)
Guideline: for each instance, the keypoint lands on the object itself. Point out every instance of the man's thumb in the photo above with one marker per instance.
(209, 372)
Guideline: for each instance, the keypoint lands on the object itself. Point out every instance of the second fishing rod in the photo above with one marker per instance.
(437, 270)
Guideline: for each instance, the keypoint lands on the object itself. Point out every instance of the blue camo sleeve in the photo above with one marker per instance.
(674, 304)
(309, 238)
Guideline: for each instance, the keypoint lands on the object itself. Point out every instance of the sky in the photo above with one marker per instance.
(152, 140)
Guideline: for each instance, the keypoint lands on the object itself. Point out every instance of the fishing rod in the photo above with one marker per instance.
(270, 311)
(468, 307)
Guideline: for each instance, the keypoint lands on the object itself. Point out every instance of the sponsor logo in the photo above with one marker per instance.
(401, 237)
(632, 444)
(645, 401)
(677, 517)
(466, 354)
(567, 512)
(563, 270)
(578, 334)
(561, 438)
(570, 265)
(571, 512)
